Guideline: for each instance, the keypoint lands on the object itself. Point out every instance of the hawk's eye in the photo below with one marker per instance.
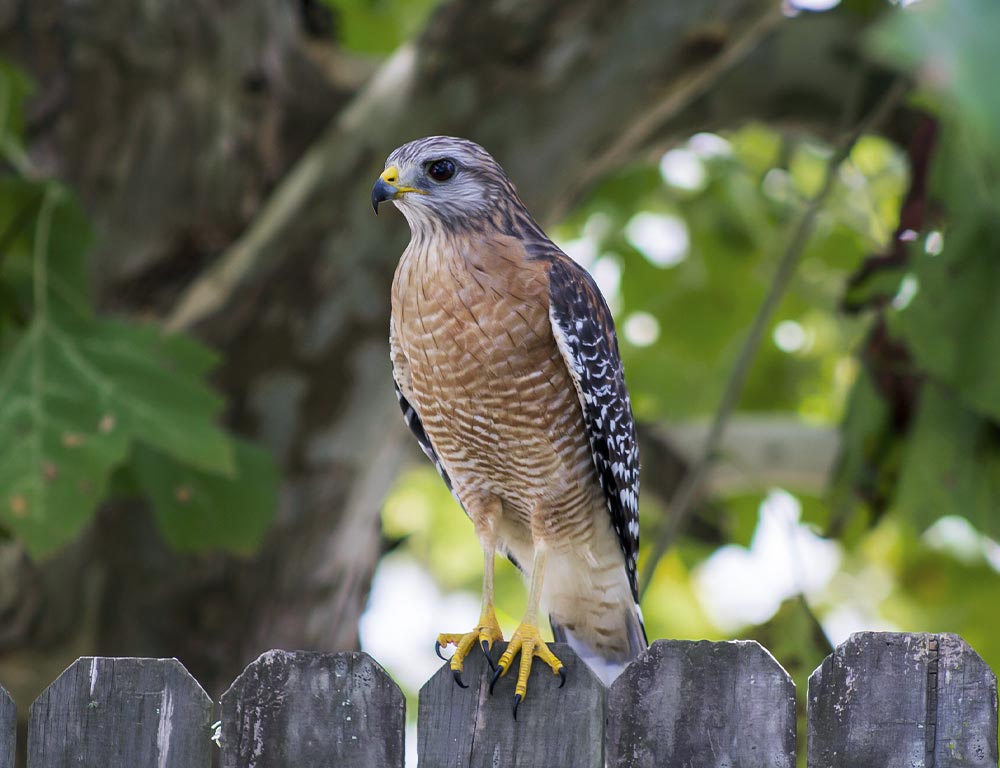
(441, 170)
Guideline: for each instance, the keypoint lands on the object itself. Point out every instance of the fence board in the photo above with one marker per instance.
(121, 713)
(313, 710)
(697, 704)
(895, 700)
(555, 727)
(8, 729)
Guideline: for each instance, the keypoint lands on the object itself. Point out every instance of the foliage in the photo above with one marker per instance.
(84, 397)
(945, 318)
(377, 26)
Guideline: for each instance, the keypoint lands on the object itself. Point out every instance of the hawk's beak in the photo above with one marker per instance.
(381, 192)
(388, 188)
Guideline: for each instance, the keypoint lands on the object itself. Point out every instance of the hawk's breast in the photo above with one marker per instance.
(488, 381)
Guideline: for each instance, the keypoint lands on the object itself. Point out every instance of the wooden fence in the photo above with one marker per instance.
(881, 700)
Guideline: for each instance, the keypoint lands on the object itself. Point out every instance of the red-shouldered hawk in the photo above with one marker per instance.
(507, 370)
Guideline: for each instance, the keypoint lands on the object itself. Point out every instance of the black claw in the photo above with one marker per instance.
(496, 676)
(489, 659)
(457, 674)
(437, 650)
(562, 676)
(517, 700)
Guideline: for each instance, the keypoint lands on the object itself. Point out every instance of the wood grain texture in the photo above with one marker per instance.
(8, 726)
(121, 713)
(696, 704)
(313, 710)
(555, 727)
(902, 701)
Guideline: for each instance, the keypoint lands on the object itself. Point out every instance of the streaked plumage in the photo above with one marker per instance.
(507, 370)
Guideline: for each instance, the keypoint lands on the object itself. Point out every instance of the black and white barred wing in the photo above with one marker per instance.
(585, 334)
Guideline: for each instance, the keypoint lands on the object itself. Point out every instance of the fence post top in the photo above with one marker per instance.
(950, 646)
(340, 662)
(280, 655)
(316, 708)
(882, 698)
(891, 637)
(660, 649)
(680, 696)
(556, 727)
(699, 645)
(121, 711)
(93, 667)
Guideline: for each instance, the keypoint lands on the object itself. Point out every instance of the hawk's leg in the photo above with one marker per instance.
(528, 640)
(485, 512)
(486, 632)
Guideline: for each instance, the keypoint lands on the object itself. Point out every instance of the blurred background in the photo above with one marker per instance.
(793, 210)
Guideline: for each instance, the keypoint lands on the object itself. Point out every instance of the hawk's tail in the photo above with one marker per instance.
(607, 666)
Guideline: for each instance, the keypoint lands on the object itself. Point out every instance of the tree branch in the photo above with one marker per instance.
(682, 93)
(755, 452)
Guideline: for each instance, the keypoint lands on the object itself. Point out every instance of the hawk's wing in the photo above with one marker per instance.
(404, 391)
(585, 334)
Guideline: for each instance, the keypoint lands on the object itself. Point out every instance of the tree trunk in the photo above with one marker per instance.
(226, 157)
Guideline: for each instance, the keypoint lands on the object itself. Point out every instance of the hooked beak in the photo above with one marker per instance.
(381, 192)
(388, 188)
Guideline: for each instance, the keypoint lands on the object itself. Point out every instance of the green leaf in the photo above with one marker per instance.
(951, 46)
(58, 444)
(951, 466)
(377, 26)
(952, 325)
(66, 235)
(181, 353)
(76, 392)
(15, 87)
(71, 401)
(162, 405)
(197, 510)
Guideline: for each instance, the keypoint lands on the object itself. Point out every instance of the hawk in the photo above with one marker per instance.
(507, 370)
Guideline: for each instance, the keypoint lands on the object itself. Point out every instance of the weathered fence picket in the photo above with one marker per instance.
(121, 713)
(881, 700)
(312, 710)
(898, 700)
(702, 704)
(8, 725)
(555, 727)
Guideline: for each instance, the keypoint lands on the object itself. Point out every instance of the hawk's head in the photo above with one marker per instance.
(442, 180)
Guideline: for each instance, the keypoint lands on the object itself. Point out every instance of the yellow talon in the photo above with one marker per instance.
(528, 641)
(487, 632)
